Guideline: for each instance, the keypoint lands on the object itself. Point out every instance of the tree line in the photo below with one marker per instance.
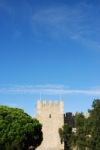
(85, 134)
(19, 131)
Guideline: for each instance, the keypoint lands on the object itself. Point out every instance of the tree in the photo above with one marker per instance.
(80, 135)
(94, 122)
(88, 129)
(65, 135)
(18, 131)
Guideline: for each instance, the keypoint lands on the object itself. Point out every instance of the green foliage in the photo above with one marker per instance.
(88, 129)
(80, 135)
(18, 130)
(65, 135)
(95, 125)
(87, 133)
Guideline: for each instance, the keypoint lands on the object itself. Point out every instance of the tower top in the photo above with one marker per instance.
(55, 102)
(50, 106)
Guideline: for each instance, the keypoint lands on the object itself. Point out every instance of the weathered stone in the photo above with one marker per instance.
(51, 116)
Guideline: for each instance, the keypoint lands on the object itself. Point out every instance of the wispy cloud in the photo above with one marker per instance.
(49, 90)
(78, 22)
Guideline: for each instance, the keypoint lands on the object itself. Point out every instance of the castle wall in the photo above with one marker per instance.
(52, 118)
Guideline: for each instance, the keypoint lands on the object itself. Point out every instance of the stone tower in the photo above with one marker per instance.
(51, 116)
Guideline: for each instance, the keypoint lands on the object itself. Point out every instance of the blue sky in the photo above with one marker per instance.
(49, 48)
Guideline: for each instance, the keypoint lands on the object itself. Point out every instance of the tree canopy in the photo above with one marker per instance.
(86, 135)
(94, 120)
(88, 128)
(65, 135)
(18, 130)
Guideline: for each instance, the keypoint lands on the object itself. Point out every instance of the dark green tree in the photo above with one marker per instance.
(80, 135)
(94, 125)
(66, 136)
(18, 131)
(86, 133)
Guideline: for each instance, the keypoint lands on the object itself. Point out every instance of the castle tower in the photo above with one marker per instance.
(51, 116)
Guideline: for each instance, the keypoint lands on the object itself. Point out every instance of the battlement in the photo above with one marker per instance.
(50, 102)
(50, 106)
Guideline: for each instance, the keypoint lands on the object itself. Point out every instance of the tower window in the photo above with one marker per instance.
(49, 115)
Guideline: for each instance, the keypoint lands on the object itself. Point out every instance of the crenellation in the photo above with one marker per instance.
(50, 103)
(41, 104)
(61, 107)
(44, 102)
(56, 102)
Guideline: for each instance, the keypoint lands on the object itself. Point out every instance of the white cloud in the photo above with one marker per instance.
(49, 90)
